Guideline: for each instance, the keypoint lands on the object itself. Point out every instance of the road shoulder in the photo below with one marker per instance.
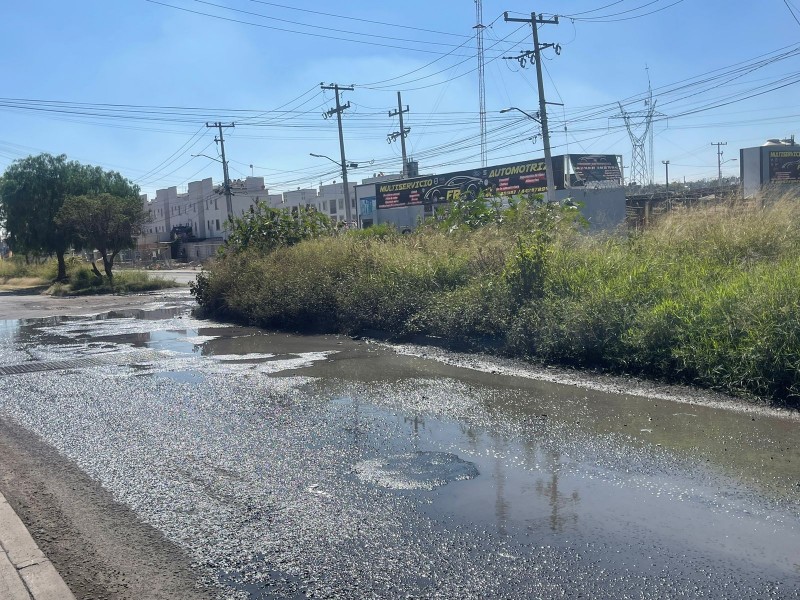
(25, 572)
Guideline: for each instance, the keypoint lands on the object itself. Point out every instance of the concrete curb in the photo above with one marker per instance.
(25, 572)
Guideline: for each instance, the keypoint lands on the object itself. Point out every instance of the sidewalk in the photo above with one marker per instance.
(25, 572)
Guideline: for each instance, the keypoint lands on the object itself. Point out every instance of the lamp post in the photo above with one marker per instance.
(350, 165)
(666, 177)
(527, 114)
(719, 181)
(548, 159)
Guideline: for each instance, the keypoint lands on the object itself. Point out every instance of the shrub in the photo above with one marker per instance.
(706, 296)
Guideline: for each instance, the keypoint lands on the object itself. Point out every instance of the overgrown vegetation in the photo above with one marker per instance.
(80, 279)
(707, 296)
(42, 271)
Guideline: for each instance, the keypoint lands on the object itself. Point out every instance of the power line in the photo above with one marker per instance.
(362, 39)
(794, 16)
(368, 21)
(280, 20)
(606, 19)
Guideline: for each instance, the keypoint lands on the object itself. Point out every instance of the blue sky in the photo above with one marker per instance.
(721, 71)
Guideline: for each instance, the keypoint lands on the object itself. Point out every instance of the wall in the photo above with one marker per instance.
(750, 171)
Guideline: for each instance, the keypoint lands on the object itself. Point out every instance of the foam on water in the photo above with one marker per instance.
(416, 471)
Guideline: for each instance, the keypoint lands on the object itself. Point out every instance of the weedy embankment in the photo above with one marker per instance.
(706, 296)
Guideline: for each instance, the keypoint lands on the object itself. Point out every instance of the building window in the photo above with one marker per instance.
(215, 208)
(217, 224)
(341, 203)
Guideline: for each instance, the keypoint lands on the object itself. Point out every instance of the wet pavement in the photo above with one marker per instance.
(320, 466)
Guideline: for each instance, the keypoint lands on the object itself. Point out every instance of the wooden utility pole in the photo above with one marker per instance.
(340, 108)
(226, 181)
(534, 21)
(402, 133)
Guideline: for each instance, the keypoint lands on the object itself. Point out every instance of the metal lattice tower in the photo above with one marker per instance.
(640, 129)
(479, 27)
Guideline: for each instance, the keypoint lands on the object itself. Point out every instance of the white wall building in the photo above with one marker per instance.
(305, 197)
(331, 201)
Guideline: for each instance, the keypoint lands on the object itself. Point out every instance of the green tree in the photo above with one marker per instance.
(32, 192)
(102, 222)
(265, 228)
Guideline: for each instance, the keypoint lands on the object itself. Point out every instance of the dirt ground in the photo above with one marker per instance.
(98, 545)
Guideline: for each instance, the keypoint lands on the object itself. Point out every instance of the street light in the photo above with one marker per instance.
(548, 159)
(350, 165)
(346, 187)
(719, 168)
(226, 185)
(206, 156)
(530, 116)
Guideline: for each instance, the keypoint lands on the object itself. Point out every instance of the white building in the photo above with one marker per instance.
(300, 198)
(202, 209)
(331, 201)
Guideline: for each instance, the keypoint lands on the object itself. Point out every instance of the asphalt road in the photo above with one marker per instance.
(256, 464)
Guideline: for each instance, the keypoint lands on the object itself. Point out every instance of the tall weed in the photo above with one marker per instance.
(706, 296)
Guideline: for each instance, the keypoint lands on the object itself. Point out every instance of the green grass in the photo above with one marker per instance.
(19, 274)
(706, 296)
(83, 282)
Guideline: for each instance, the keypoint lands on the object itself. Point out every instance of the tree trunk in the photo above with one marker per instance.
(108, 265)
(96, 271)
(62, 266)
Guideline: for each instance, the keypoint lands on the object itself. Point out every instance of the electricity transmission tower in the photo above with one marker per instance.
(479, 27)
(640, 129)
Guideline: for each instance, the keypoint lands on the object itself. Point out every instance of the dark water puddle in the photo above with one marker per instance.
(536, 486)
(531, 462)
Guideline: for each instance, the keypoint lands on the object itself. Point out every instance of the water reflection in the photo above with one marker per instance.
(560, 503)
(416, 421)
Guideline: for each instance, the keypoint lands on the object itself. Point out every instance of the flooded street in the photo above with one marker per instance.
(320, 466)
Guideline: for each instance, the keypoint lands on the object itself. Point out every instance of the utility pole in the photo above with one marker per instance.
(226, 185)
(479, 27)
(548, 159)
(719, 160)
(402, 133)
(666, 165)
(338, 112)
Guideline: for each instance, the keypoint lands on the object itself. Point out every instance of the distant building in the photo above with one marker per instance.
(202, 209)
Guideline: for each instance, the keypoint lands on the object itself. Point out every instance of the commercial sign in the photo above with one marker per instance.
(594, 170)
(784, 166)
(501, 180)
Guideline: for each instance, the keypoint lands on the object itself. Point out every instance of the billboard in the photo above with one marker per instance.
(501, 180)
(594, 170)
(784, 166)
